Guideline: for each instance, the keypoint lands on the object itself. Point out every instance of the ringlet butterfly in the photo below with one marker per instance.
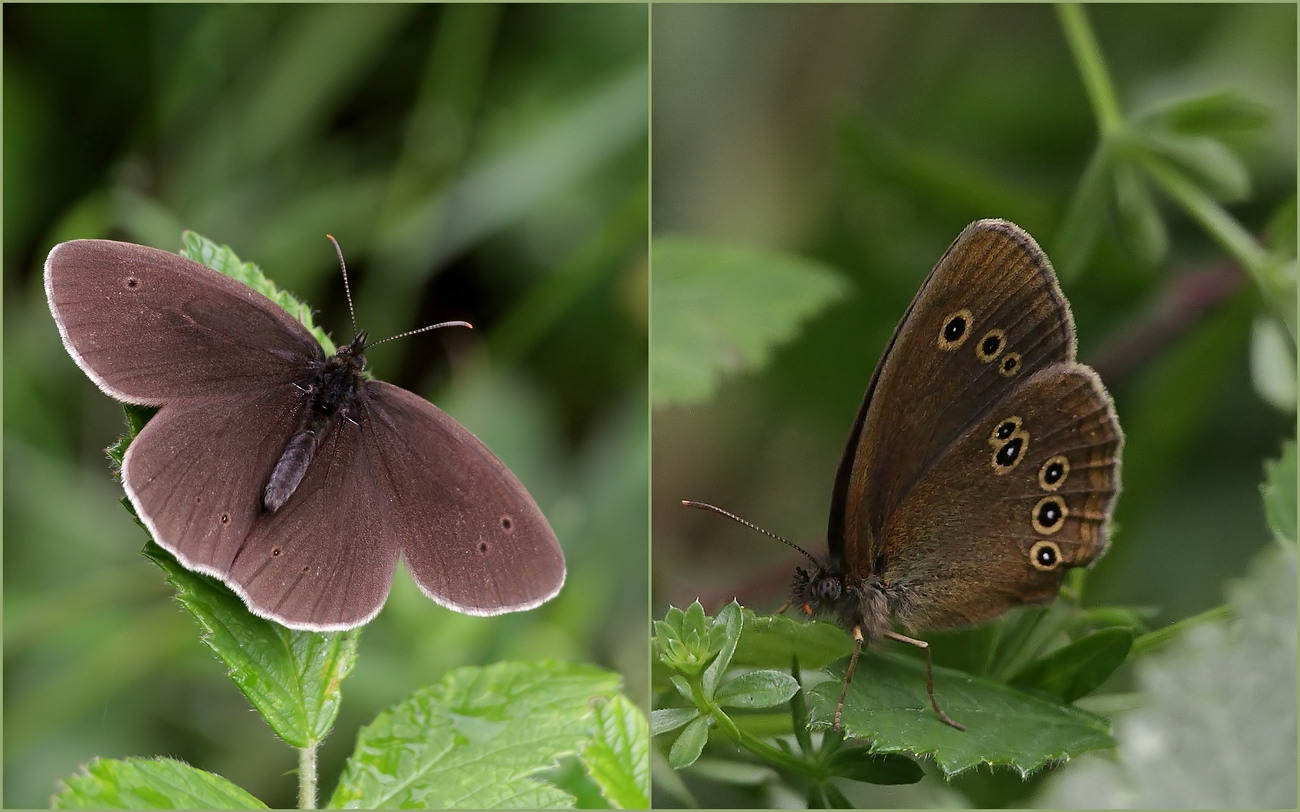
(295, 479)
(983, 462)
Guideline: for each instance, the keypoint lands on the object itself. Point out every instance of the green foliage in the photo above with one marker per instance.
(478, 739)
(1005, 727)
(887, 721)
(158, 783)
(1160, 179)
(293, 678)
(1076, 670)
(712, 641)
(618, 756)
(686, 640)
(721, 309)
(479, 162)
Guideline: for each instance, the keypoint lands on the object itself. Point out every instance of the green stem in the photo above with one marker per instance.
(1092, 67)
(1220, 225)
(774, 756)
(307, 777)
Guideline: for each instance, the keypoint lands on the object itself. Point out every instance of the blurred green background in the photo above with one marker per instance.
(477, 162)
(864, 137)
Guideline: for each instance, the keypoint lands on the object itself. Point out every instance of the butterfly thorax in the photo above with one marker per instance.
(328, 394)
(828, 590)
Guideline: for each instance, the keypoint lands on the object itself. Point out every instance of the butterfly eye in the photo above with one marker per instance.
(827, 588)
(956, 328)
(1045, 555)
(1049, 514)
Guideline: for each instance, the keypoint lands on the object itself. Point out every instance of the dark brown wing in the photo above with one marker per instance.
(980, 533)
(933, 381)
(472, 536)
(324, 561)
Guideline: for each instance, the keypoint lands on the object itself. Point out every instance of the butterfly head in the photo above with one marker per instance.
(355, 353)
(818, 590)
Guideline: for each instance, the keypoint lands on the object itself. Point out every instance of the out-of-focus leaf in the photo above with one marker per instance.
(718, 309)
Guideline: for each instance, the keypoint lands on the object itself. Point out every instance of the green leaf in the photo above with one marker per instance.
(618, 757)
(1279, 491)
(771, 640)
(717, 309)
(159, 783)
(757, 689)
(1081, 667)
(665, 720)
(731, 621)
(1137, 218)
(1273, 363)
(1215, 114)
(828, 796)
(1281, 231)
(687, 640)
(293, 678)
(478, 739)
(1073, 242)
(688, 746)
(887, 703)
(1210, 164)
(136, 418)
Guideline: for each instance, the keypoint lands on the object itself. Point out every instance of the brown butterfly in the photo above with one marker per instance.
(982, 465)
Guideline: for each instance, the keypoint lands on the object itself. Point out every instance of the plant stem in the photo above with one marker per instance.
(307, 777)
(1092, 67)
(1211, 216)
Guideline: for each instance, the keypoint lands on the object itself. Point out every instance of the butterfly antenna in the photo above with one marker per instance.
(424, 330)
(347, 289)
(751, 526)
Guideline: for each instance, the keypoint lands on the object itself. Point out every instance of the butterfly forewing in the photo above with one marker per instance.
(148, 326)
(473, 538)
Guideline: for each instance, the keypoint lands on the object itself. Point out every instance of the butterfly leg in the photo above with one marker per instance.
(858, 640)
(929, 675)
